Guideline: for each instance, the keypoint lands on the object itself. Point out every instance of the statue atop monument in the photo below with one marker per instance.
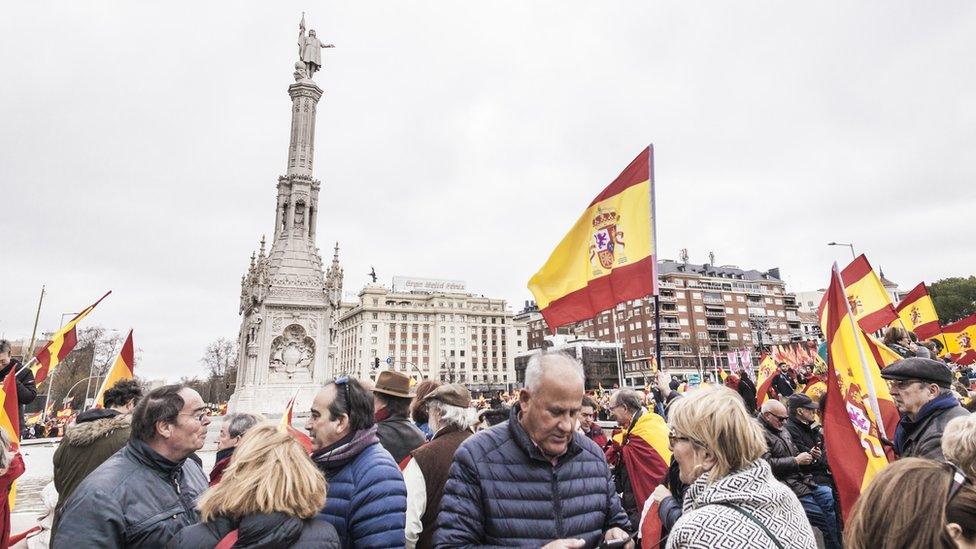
(309, 52)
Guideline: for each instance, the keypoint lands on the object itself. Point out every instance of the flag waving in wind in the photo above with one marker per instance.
(60, 345)
(860, 413)
(869, 302)
(285, 425)
(608, 256)
(764, 378)
(123, 368)
(917, 312)
(10, 423)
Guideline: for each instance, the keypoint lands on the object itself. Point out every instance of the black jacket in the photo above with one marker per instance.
(781, 457)
(805, 437)
(399, 436)
(137, 498)
(260, 531)
(26, 391)
(784, 385)
(747, 390)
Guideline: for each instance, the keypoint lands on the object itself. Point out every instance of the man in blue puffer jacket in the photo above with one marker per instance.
(367, 499)
(534, 479)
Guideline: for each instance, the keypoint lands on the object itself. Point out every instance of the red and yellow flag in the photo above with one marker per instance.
(285, 425)
(815, 388)
(60, 345)
(10, 422)
(859, 412)
(917, 313)
(764, 378)
(869, 301)
(608, 257)
(960, 339)
(646, 454)
(123, 368)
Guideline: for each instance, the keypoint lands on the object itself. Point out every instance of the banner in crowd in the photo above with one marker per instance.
(62, 342)
(646, 454)
(609, 255)
(866, 295)
(916, 312)
(859, 411)
(123, 368)
(801, 353)
(10, 421)
(733, 357)
(764, 378)
(960, 339)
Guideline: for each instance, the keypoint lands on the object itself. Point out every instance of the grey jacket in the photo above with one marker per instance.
(399, 436)
(137, 498)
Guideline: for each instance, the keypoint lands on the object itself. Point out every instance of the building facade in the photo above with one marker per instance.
(599, 360)
(705, 312)
(451, 336)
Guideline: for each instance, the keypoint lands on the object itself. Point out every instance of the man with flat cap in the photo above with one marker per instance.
(921, 390)
(426, 470)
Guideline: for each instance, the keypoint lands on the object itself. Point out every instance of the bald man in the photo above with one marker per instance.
(785, 461)
(534, 479)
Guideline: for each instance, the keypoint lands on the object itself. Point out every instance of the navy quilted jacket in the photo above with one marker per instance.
(503, 492)
(367, 501)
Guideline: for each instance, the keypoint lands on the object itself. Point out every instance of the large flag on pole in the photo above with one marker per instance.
(123, 368)
(609, 256)
(960, 339)
(869, 302)
(917, 312)
(764, 378)
(285, 424)
(60, 345)
(860, 413)
(10, 422)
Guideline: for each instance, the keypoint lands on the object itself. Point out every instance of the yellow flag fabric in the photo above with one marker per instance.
(123, 368)
(916, 312)
(869, 301)
(607, 257)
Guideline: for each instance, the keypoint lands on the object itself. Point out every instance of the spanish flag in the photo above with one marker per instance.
(60, 345)
(764, 378)
(123, 368)
(285, 425)
(10, 423)
(859, 412)
(960, 338)
(608, 256)
(645, 452)
(867, 297)
(917, 313)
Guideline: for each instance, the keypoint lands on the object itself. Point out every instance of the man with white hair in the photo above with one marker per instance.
(425, 473)
(534, 479)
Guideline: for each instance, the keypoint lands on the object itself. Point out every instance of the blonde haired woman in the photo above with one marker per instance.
(733, 499)
(269, 496)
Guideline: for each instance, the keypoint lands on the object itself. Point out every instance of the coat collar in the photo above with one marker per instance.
(529, 446)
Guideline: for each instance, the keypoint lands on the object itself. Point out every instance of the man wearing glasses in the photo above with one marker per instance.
(147, 491)
(920, 389)
(787, 464)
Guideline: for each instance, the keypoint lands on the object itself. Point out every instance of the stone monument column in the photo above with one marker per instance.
(287, 305)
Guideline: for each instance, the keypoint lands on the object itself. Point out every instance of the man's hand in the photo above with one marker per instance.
(617, 533)
(565, 544)
(660, 493)
(816, 452)
(804, 458)
(664, 383)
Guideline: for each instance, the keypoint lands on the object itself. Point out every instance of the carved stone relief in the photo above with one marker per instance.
(292, 351)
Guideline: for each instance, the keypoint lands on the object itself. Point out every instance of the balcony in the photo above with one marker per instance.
(669, 339)
(715, 314)
(667, 298)
(714, 300)
(672, 325)
(672, 353)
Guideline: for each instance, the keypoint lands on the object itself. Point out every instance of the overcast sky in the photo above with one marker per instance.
(141, 144)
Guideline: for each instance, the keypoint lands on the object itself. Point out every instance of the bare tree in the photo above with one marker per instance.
(220, 358)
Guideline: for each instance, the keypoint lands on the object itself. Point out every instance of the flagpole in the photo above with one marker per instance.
(872, 394)
(616, 340)
(654, 281)
(37, 317)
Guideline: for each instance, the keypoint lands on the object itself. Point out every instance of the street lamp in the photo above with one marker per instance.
(851, 246)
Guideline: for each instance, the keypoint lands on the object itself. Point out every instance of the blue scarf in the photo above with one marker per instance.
(908, 425)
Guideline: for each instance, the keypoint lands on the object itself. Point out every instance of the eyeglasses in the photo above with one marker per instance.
(344, 381)
(196, 415)
(958, 480)
(673, 437)
(781, 418)
(900, 384)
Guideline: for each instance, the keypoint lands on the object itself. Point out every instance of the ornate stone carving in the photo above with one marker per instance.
(293, 350)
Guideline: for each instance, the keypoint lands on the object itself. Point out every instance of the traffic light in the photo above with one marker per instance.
(376, 363)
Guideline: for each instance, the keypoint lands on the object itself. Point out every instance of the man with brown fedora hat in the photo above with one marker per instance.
(425, 471)
(391, 398)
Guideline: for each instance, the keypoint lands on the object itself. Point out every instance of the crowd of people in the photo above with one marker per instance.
(392, 465)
